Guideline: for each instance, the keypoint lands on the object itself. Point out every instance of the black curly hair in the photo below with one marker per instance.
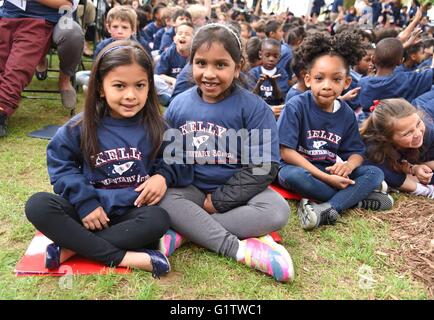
(347, 45)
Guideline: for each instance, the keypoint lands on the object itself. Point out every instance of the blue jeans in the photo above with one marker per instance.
(297, 179)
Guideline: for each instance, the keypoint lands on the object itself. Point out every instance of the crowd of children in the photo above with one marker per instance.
(342, 107)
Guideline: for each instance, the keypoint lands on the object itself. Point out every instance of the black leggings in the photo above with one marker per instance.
(57, 219)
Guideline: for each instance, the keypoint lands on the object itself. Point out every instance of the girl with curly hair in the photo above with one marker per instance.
(320, 145)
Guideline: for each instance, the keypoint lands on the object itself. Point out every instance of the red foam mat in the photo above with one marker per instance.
(33, 262)
(288, 195)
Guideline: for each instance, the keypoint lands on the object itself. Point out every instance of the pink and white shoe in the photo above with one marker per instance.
(171, 241)
(269, 257)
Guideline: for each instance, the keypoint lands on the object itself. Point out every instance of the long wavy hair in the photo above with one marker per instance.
(377, 133)
(119, 53)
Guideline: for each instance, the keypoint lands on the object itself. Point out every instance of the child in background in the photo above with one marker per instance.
(253, 47)
(271, 80)
(362, 68)
(104, 169)
(401, 143)
(387, 82)
(246, 32)
(175, 58)
(199, 14)
(413, 57)
(259, 29)
(229, 208)
(274, 30)
(121, 24)
(428, 46)
(316, 129)
(152, 28)
(178, 17)
(166, 17)
(300, 72)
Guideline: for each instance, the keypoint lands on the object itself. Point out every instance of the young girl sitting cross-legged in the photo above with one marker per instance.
(320, 144)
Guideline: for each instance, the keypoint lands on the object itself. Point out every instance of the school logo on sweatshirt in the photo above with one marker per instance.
(198, 141)
(318, 144)
(321, 145)
(118, 168)
(122, 168)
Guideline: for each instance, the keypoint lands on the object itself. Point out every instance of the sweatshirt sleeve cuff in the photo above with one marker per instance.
(86, 207)
(166, 176)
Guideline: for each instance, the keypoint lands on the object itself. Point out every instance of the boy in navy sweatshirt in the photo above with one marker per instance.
(389, 83)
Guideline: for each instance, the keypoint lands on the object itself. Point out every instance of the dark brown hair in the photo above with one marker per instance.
(119, 53)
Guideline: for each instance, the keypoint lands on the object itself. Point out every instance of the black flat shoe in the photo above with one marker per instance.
(52, 256)
(160, 263)
(42, 75)
(3, 125)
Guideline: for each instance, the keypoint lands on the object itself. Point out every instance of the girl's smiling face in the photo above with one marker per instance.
(408, 132)
(214, 71)
(327, 79)
(125, 89)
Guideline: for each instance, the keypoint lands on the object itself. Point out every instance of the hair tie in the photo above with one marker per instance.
(113, 49)
(374, 106)
(219, 25)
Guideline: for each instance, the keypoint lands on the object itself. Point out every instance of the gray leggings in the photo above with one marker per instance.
(69, 43)
(219, 232)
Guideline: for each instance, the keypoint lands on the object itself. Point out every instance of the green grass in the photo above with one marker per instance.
(327, 261)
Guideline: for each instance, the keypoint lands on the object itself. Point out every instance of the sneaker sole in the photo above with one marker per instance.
(304, 215)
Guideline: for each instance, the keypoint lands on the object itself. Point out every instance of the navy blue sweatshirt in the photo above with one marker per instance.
(122, 164)
(206, 129)
(317, 135)
(171, 62)
(407, 85)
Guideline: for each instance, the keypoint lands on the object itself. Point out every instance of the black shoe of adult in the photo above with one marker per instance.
(3, 123)
(42, 75)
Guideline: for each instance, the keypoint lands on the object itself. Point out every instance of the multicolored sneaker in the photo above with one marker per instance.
(281, 249)
(270, 259)
(171, 241)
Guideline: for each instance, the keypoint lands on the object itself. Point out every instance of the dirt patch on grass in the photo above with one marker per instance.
(412, 226)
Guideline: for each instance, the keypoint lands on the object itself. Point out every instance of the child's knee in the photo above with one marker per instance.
(36, 205)
(293, 177)
(376, 175)
(280, 212)
(160, 218)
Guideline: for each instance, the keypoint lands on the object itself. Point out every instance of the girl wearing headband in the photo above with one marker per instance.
(106, 172)
(229, 208)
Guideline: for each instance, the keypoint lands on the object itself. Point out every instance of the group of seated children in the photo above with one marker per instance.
(120, 203)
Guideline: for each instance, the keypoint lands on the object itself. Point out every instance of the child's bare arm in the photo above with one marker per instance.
(261, 80)
(405, 34)
(276, 89)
